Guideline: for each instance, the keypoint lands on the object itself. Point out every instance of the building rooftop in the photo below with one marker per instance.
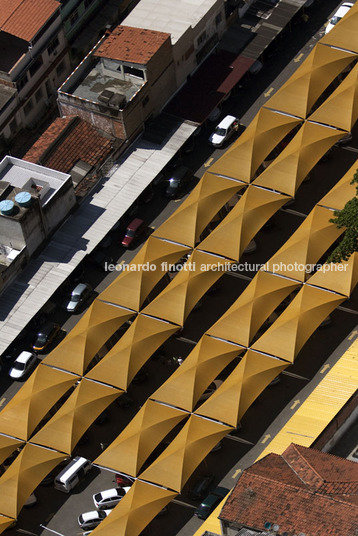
(135, 45)
(302, 490)
(6, 94)
(168, 15)
(24, 18)
(66, 141)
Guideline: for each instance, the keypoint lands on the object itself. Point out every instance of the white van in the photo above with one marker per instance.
(72, 474)
(224, 130)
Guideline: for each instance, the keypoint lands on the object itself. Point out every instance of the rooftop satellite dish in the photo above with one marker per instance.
(276, 527)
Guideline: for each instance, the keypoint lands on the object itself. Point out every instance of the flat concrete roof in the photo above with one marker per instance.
(6, 94)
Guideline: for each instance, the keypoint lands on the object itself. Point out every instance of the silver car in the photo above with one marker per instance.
(79, 295)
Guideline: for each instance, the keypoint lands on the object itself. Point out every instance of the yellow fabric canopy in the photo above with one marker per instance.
(204, 363)
(338, 277)
(247, 381)
(251, 212)
(7, 446)
(260, 298)
(126, 358)
(36, 397)
(262, 135)
(5, 522)
(340, 109)
(344, 34)
(135, 511)
(306, 246)
(195, 213)
(178, 461)
(133, 285)
(287, 335)
(70, 422)
(80, 346)
(178, 299)
(24, 475)
(342, 192)
(307, 83)
(288, 170)
(141, 436)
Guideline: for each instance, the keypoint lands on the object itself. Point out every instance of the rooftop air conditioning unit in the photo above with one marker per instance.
(118, 101)
(105, 96)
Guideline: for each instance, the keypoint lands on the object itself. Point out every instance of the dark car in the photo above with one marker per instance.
(134, 231)
(46, 334)
(178, 181)
(201, 487)
(210, 502)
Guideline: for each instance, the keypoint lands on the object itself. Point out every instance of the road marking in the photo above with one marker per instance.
(296, 403)
(51, 530)
(266, 438)
(268, 93)
(299, 58)
(2, 401)
(208, 162)
(350, 337)
(324, 368)
(237, 472)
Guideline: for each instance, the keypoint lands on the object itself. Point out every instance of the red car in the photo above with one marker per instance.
(134, 230)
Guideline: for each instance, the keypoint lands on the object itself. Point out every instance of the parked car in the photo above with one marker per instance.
(122, 480)
(210, 390)
(201, 487)
(178, 181)
(90, 520)
(46, 334)
(209, 504)
(133, 232)
(79, 295)
(109, 498)
(224, 130)
(23, 364)
(339, 14)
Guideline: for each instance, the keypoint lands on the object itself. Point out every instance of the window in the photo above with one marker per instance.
(145, 100)
(133, 71)
(74, 18)
(13, 126)
(53, 45)
(28, 107)
(60, 68)
(36, 66)
(201, 39)
(218, 19)
(38, 95)
(22, 82)
(189, 52)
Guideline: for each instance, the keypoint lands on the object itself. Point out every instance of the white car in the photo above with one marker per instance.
(22, 365)
(90, 520)
(224, 130)
(109, 498)
(339, 14)
(79, 295)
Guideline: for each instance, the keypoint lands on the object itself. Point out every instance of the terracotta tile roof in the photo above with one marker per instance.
(314, 501)
(67, 140)
(24, 18)
(134, 45)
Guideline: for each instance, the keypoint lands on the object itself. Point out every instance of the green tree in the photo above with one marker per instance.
(348, 218)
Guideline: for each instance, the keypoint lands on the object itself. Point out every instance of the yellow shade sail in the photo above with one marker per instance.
(340, 109)
(7, 446)
(5, 522)
(292, 165)
(339, 277)
(306, 246)
(178, 461)
(36, 397)
(262, 135)
(133, 349)
(342, 192)
(247, 381)
(24, 475)
(70, 422)
(307, 83)
(80, 346)
(140, 276)
(135, 511)
(195, 213)
(287, 335)
(204, 363)
(178, 299)
(260, 298)
(143, 434)
(234, 233)
(344, 34)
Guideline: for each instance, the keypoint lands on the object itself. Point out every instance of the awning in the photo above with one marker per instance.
(342, 192)
(344, 34)
(133, 349)
(185, 386)
(5, 522)
(307, 83)
(140, 276)
(287, 335)
(88, 336)
(340, 109)
(195, 213)
(339, 277)
(292, 165)
(29, 405)
(24, 475)
(253, 307)
(135, 511)
(247, 381)
(306, 246)
(180, 459)
(262, 135)
(7, 446)
(178, 299)
(142, 435)
(66, 427)
(238, 228)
